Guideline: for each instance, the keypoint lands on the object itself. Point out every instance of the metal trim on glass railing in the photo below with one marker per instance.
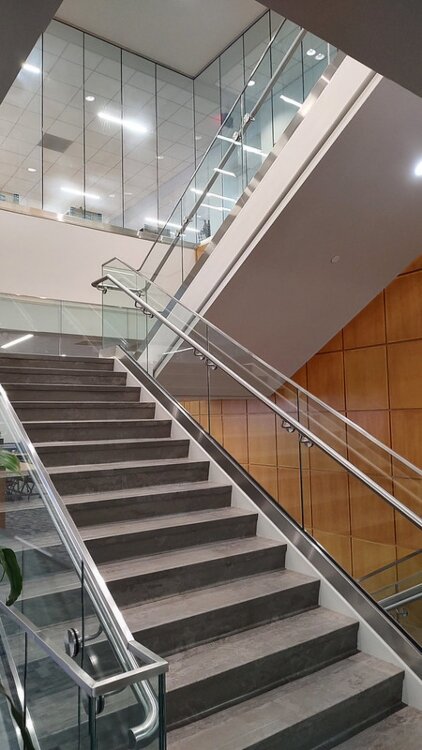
(304, 432)
(108, 613)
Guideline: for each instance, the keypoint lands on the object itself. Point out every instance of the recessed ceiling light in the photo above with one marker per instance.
(136, 127)
(335, 259)
(160, 157)
(128, 193)
(74, 191)
(418, 169)
(311, 52)
(198, 138)
(90, 98)
(319, 56)
(31, 68)
(31, 169)
(288, 100)
(112, 195)
(251, 83)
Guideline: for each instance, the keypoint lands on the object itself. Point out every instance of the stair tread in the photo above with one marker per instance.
(81, 404)
(182, 557)
(403, 729)
(160, 523)
(89, 422)
(216, 657)
(56, 358)
(150, 564)
(247, 724)
(158, 489)
(57, 371)
(153, 462)
(121, 441)
(173, 608)
(70, 387)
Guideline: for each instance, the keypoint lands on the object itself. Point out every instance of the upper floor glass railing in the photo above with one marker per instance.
(288, 69)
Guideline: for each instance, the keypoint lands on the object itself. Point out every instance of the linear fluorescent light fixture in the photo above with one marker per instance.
(288, 100)
(226, 138)
(132, 125)
(161, 223)
(213, 195)
(17, 341)
(216, 208)
(224, 171)
(31, 68)
(80, 193)
(253, 150)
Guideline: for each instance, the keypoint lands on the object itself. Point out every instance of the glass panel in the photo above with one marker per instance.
(103, 132)
(232, 76)
(256, 40)
(207, 108)
(63, 123)
(315, 59)
(20, 135)
(140, 142)
(175, 137)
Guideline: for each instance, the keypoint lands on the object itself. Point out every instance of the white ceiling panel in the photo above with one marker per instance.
(183, 34)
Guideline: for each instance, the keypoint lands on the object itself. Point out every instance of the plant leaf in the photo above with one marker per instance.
(9, 461)
(19, 719)
(9, 562)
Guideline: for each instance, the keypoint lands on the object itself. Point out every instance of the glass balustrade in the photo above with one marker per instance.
(278, 85)
(358, 499)
(66, 663)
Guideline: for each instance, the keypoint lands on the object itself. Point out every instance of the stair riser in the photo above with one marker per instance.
(86, 514)
(48, 412)
(77, 431)
(64, 363)
(174, 636)
(60, 456)
(119, 479)
(65, 378)
(199, 698)
(151, 542)
(326, 730)
(169, 582)
(57, 394)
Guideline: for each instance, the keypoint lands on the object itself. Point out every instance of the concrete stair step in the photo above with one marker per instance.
(241, 665)
(29, 409)
(50, 375)
(46, 392)
(400, 731)
(56, 597)
(97, 429)
(72, 480)
(175, 623)
(57, 361)
(315, 711)
(103, 451)
(150, 536)
(141, 502)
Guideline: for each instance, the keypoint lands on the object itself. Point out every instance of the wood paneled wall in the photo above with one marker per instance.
(370, 371)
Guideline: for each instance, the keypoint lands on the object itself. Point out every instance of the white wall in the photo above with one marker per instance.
(44, 258)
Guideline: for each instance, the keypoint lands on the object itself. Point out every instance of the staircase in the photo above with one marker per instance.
(255, 662)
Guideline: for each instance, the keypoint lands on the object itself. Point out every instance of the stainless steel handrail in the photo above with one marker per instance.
(108, 613)
(82, 679)
(279, 376)
(236, 141)
(412, 594)
(302, 431)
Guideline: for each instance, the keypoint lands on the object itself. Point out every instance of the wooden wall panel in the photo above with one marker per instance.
(372, 368)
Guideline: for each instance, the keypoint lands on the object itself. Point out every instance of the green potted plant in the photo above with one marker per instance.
(12, 571)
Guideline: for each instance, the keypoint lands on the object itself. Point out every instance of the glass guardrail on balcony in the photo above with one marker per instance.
(354, 495)
(281, 81)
